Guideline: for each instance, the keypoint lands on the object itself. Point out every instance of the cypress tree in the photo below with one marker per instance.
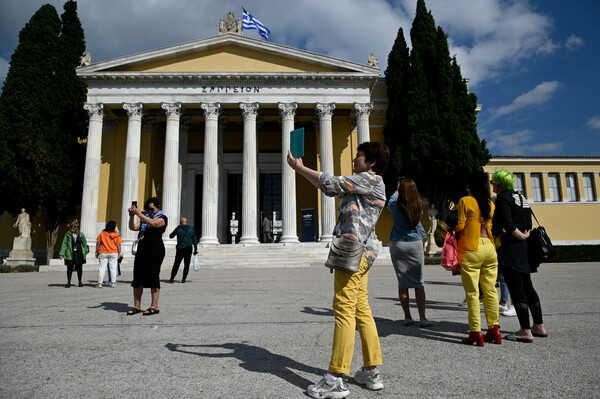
(436, 143)
(41, 120)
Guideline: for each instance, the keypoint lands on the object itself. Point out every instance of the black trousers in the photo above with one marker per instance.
(524, 297)
(186, 255)
(78, 268)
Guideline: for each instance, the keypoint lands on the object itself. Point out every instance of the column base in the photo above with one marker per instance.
(288, 239)
(326, 238)
(249, 240)
(209, 241)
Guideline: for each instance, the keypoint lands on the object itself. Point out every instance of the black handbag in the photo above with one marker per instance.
(540, 248)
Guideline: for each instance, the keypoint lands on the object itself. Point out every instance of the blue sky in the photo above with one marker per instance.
(533, 64)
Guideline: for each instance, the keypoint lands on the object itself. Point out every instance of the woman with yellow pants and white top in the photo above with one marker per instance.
(478, 260)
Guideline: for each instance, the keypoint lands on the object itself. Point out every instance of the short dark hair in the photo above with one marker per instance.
(111, 225)
(152, 200)
(376, 153)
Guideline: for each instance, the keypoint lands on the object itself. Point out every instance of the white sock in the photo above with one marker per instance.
(331, 379)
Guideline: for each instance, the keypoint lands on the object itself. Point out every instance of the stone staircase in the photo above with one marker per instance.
(235, 256)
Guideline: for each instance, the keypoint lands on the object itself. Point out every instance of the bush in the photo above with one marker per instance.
(19, 268)
(577, 253)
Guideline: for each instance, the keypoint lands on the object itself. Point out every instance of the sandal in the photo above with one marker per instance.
(515, 337)
(150, 312)
(133, 311)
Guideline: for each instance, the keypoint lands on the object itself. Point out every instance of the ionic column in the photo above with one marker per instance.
(171, 165)
(210, 178)
(132, 167)
(325, 112)
(249, 176)
(222, 226)
(363, 110)
(91, 176)
(288, 175)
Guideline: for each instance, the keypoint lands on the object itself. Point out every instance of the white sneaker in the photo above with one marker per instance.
(323, 389)
(425, 323)
(503, 308)
(371, 379)
(99, 285)
(510, 311)
(112, 285)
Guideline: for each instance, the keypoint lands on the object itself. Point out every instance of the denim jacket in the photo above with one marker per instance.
(402, 231)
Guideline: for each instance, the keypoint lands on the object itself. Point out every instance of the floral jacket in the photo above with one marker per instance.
(363, 199)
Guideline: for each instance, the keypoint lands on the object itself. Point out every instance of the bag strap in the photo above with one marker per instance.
(530, 208)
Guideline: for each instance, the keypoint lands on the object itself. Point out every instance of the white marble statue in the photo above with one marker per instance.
(372, 60)
(86, 59)
(432, 213)
(23, 224)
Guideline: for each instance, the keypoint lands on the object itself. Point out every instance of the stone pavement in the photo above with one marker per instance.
(266, 333)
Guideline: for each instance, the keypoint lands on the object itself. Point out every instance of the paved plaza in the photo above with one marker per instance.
(267, 333)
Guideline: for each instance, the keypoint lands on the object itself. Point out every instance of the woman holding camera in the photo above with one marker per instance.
(150, 253)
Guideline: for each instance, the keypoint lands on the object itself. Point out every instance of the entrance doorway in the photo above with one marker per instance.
(270, 203)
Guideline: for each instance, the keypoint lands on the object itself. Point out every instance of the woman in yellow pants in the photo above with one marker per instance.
(478, 261)
(362, 200)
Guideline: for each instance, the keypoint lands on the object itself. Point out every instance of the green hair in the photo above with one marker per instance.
(505, 178)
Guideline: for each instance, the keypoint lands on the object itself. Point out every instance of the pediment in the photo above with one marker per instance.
(228, 53)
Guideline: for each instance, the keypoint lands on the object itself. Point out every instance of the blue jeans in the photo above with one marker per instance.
(504, 296)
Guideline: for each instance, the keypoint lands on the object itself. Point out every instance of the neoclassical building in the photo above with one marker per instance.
(205, 126)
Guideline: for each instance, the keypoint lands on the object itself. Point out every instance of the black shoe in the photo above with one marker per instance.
(171, 281)
(183, 281)
(80, 285)
(68, 285)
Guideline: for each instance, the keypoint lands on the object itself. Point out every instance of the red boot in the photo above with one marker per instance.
(493, 335)
(474, 337)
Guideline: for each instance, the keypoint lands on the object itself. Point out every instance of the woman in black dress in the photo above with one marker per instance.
(150, 253)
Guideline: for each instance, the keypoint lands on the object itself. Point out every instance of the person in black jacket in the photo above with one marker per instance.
(511, 225)
(186, 240)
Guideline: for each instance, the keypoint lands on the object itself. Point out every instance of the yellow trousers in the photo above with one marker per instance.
(351, 308)
(480, 267)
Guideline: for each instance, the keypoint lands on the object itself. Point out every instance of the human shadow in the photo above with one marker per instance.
(114, 306)
(455, 283)
(439, 305)
(254, 359)
(317, 311)
(443, 331)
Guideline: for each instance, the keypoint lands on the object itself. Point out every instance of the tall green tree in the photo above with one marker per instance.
(39, 146)
(436, 143)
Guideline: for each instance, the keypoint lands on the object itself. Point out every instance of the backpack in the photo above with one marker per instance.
(446, 221)
(450, 252)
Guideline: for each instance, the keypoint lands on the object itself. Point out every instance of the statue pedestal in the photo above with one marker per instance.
(21, 253)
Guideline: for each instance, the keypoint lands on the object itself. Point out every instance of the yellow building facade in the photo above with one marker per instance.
(204, 126)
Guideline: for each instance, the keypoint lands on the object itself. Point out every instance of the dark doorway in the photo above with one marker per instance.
(270, 201)
(234, 205)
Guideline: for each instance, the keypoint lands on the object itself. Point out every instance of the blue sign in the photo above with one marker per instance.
(308, 225)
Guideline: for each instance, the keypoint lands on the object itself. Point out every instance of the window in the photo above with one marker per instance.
(571, 187)
(519, 183)
(553, 184)
(536, 187)
(588, 187)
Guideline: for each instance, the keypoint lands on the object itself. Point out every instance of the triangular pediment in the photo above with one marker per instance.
(228, 53)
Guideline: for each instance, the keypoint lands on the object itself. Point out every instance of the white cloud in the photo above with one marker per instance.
(541, 94)
(593, 123)
(3, 70)
(523, 142)
(491, 38)
(574, 42)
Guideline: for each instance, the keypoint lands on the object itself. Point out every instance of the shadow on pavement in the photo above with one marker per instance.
(318, 311)
(114, 306)
(255, 359)
(444, 331)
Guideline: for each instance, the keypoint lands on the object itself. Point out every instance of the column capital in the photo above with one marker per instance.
(211, 110)
(287, 110)
(325, 110)
(249, 110)
(173, 110)
(134, 110)
(95, 111)
(363, 110)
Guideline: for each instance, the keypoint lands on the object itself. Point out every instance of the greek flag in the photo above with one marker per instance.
(249, 22)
